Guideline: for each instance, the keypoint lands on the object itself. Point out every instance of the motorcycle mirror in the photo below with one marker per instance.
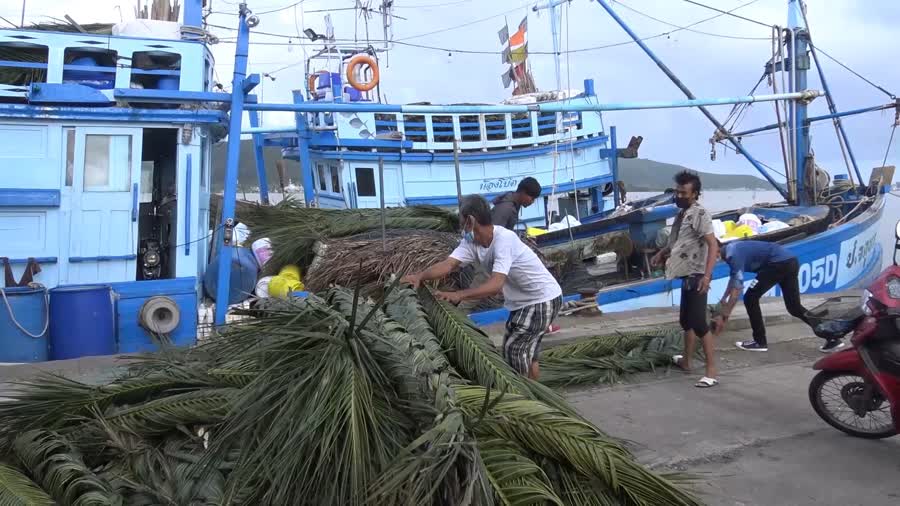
(897, 231)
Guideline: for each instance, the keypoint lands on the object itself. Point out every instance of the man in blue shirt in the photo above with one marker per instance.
(773, 265)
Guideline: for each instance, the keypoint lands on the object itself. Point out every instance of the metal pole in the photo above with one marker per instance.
(614, 165)
(547, 107)
(456, 166)
(226, 240)
(22, 23)
(832, 107)
(381, 203)
(687, 92)
(302, 129)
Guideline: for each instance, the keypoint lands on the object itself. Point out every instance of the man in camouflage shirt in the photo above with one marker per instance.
(690, 257)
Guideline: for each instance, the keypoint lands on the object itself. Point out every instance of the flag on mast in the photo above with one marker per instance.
(515, 53)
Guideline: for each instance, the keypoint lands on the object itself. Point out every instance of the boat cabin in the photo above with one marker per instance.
(107, 174)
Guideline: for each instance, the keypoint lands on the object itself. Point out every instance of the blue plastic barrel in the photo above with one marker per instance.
(82, 321)
(23, 325)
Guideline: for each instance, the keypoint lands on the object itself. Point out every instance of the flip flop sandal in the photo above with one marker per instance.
(706, 382)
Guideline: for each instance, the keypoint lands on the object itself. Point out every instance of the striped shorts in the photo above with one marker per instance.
(524, 330)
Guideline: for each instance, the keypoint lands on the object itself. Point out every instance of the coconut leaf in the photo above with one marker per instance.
(16, 489)
(54, 463)
(53, 402)
(321, 419)
(636, 352)
(548, 432)
(516, 479)
(473, 354)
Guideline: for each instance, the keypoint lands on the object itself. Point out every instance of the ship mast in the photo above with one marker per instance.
(804, 169)
(552, 6)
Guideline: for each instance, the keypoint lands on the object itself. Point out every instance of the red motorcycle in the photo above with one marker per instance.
(857, 390)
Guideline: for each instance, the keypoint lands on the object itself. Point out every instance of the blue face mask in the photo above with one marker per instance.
(468, 235)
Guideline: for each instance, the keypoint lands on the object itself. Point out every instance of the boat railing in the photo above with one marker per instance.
(436, 132)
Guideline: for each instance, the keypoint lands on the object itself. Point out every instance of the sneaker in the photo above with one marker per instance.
(831, 346)
(751, 346)
(552, 329)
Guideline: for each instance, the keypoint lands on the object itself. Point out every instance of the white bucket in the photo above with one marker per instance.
(262, 287)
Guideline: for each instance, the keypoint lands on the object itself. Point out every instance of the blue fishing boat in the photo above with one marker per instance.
(114, 132)
(356, 151)
(105, 135)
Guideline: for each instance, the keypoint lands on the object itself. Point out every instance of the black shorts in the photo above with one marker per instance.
(693, 306)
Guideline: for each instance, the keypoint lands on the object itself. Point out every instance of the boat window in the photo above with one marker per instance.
(323, 180)
(23, 63)
(146, 182)
(335, 179)
(365, 182)
(155, 70)
(107, 163)
(70, 155)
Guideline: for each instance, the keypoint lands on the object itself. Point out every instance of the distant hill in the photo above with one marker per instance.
(638, 174)
(247, 167)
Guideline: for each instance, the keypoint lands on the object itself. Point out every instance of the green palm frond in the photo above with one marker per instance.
(576, 489)
(57, 466)
(516, 479)
(159, 416)
(545, 431)
(608, 359)
(16, 489)
(52, 402)
(600, 346)
(473, 354)
(321, 419)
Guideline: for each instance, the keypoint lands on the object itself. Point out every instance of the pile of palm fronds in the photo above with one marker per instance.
(328, 401)
(294, 229)
(365, 261)
(606, 359)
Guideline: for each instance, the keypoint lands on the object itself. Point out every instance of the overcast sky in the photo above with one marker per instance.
(861, 34)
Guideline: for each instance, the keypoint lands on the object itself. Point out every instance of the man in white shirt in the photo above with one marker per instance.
(531, 294)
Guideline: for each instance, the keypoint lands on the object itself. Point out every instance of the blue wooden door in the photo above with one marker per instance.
(105, 190)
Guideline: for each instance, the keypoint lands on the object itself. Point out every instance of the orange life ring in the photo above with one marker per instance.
(356, 61)
(311, 81)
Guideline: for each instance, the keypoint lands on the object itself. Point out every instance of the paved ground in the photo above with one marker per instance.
(754, 439)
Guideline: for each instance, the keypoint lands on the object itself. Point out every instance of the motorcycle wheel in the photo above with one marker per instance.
(833, 394)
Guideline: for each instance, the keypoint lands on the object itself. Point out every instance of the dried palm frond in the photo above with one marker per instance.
(293, 230)
(364, 261)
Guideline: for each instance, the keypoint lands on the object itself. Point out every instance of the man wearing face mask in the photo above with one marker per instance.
(690, 256)
(530, 292)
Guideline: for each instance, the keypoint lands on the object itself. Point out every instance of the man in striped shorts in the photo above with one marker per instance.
(530, 292)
